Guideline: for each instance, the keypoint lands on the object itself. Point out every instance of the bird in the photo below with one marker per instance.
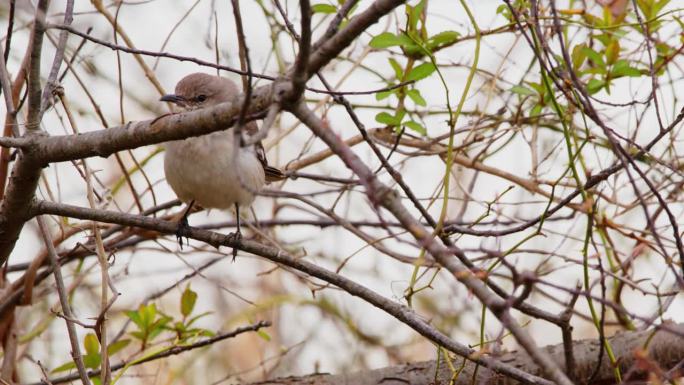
(206, 170)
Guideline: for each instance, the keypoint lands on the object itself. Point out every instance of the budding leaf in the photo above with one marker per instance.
(421, 72)
(188, 300)
(323, 8)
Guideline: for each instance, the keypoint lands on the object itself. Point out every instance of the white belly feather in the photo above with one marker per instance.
(204, 169)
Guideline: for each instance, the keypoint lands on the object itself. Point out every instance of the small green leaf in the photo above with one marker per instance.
(388, 39)
(195, 318)
(388, 119)
(117, 346)
(536, 110)
(612, 51)
(522, 90)
(91, 361)
(323, 8)
(265, 336)
(594, 56)
(595, 85)
(398, 71)
(417, 98)
(63, 368)
(188, 300)
(135, 317)
(421, 72)
(148, 314)
(158, 326)
(384, 94)
(414, 14)
(578, 56)
(537, 87)
(91, 344)
(621, 68)
(415, 126)
(443, 38)
(138, 334)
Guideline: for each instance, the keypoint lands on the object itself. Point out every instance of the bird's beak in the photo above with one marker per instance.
(173, 98)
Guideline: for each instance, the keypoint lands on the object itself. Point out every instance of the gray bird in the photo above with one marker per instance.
(205, 170)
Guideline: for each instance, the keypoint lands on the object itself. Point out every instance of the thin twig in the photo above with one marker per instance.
(64, 300)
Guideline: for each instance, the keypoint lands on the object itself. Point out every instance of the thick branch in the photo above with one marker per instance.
(665, 348)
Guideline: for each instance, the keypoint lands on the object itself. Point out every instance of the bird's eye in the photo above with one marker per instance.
(201, 98)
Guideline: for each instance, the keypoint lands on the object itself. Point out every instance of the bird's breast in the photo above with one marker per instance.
(207, 170)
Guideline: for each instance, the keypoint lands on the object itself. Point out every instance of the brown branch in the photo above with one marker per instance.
(391, 307)
(64, 301)
(51, 83)
(381, 195)
(34, 88)
(299, 76)
(663, 348)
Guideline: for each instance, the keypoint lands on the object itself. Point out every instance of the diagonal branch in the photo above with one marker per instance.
(381, 195)
(397, 310)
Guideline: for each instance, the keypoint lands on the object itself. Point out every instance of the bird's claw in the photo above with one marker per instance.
(182, 227)
(237, 237)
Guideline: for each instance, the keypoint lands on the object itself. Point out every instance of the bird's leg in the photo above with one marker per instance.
(183, 225)
(238, 233)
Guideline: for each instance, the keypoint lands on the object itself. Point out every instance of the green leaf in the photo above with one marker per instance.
(195, 318)
(417, 98)
(188, 300)
(386, 118)
(91, 344)
(537, 87)
(265, 336)
(414, 14)
(398, 71)
(595, 85)
(578, 56)
(622, 68)
(148, 314)
(135, 317)
(323, 8)
(91, 361)
(415, 126)
(421, 72)
(522, 90)
(63, 368)
(594, 56)
(158, 326)
(388, 39)
(612, 51)
(536, 110)
(117, 346)
(138, 334)
(443, 38)
(384, 94)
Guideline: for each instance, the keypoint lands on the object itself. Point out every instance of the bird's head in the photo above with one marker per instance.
(199, 90)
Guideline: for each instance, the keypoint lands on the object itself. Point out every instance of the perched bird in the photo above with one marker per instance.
(206, 170)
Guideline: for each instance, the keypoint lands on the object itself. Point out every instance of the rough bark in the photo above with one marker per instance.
(664, 352)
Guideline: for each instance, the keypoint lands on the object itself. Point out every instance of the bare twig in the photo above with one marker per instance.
(51, 83)
(64, 300)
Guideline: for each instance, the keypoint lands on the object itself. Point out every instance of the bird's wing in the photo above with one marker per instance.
(272, 174)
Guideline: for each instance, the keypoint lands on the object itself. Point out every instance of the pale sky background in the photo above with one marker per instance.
(325, 349)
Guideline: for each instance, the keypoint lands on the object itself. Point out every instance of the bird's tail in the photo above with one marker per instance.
(273, 174)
